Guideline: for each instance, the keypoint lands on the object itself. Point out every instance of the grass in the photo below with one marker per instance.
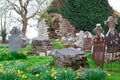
(31, 60)
(113, 76)
(114, 66)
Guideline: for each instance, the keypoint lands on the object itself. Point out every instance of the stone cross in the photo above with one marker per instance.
(112, 37)
(111, 22)
(15, 39)
(98, 30)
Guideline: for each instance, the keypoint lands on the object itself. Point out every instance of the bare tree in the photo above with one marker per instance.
(26, 9)
(3, 24)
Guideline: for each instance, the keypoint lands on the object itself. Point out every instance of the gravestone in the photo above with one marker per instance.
(112, 37)
(99, 46)
(112, 54)
(15, 39)
(87, 42)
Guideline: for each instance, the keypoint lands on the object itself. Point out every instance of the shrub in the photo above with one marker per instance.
(42, 72)
(18, 55)
(10, 70)
(67, 74)
(93, 74)
(36, 69)
(5, 56)
(57, 45)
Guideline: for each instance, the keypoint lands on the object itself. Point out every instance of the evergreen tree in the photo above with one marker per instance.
(84, 14)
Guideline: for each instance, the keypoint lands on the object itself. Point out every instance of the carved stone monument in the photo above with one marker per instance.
(112, 37)
(15, 39)
(87, 41)
(99, 46)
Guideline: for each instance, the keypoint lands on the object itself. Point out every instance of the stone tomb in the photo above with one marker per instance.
(43, 46)
(15, 39)
(70, 57)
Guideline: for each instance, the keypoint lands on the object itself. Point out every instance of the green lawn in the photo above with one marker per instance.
(32, 60)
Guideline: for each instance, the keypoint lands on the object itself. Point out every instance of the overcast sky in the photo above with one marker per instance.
(115, 4)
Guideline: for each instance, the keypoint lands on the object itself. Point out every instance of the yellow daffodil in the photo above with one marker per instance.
(78, 75)
(36, 75)
(0, 66)
(65, 71)
(53, 73)
(19, 72)
(46, 70)
(23, 76)
(108, 74)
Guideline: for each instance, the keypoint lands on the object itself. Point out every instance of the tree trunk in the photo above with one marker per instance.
(24, 27)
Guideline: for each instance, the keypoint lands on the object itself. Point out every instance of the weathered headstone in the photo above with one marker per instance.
(98, 46)
(87, 41)
(15, 39)
(112, 37)
(113, 45)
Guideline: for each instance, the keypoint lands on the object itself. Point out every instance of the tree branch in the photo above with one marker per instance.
(14, 6)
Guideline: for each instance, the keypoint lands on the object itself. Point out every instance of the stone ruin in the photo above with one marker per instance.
(79, 39)
(62, 26)
(105, 49)
(68, 41)
(42, 31)
(64, 31)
